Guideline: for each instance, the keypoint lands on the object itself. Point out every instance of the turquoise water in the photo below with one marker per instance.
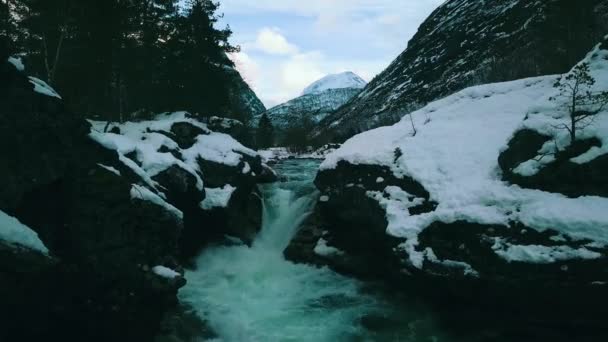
(254, 294)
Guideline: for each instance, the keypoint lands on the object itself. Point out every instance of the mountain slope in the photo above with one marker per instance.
(244, 103)
(310, 106)
(465, 43)
(318, 100)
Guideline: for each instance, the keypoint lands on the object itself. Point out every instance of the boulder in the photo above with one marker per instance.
(185, 134)
(232, 127)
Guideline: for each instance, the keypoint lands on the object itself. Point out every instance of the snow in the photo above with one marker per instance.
(217, 147)
(165, 272)
(109, 168)
(466, 268)
(246, 168)
(454, 156)
(217, 197)
(324, 198)
(16, 61)
(16, 233)
(336, 81)
(282, 153)
(143, 139)
(325, 250)
(540, 254)
(43, 88)
(145, 194)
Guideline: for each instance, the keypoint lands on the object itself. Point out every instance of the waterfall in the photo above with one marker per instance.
(254, 294)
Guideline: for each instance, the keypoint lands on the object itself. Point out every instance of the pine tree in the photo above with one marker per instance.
(114, 57)
(265, 133)
(577, 95)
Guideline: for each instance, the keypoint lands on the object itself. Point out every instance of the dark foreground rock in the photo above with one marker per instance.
(103, 243)
(114, 231)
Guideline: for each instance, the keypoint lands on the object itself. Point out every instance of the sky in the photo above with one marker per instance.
(288, 44)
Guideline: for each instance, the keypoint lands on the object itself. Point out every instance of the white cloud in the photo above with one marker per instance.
(271, 41)
(301, 70)
(248, 68)
(318, 37)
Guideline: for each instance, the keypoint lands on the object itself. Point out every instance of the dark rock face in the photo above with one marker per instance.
(41, 121)
(233, 128)
(181, 187)
(97, 284)
(354, 222)
(185, 134)
(561, 175)
(465, 43)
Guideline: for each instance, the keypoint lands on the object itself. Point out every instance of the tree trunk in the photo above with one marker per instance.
(572, 128)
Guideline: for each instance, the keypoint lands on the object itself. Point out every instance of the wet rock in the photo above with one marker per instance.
(182, 324)
(232, 127)
(185, 134)
(181, 187)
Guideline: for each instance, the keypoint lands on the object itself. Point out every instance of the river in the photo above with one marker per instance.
(254, 294)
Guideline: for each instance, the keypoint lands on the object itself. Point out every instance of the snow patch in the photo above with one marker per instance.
(109, 168)
(537, 254)
(217, 197)
(143, 193)
(324, 250)
(336, 81)
(17, 63)
(16, 233)
(43, 88)
(165, 272)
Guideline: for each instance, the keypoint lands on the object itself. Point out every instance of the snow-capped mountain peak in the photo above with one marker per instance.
(343, 80)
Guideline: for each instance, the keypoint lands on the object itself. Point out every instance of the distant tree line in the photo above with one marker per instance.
(110, 58)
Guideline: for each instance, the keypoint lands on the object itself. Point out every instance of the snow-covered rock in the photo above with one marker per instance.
(185, 166)
(540, 155)
(465, 43)
(443, 215)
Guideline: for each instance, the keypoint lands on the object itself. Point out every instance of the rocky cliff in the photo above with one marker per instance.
(465, 43)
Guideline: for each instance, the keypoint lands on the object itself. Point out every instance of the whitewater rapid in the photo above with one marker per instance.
(254, 294)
